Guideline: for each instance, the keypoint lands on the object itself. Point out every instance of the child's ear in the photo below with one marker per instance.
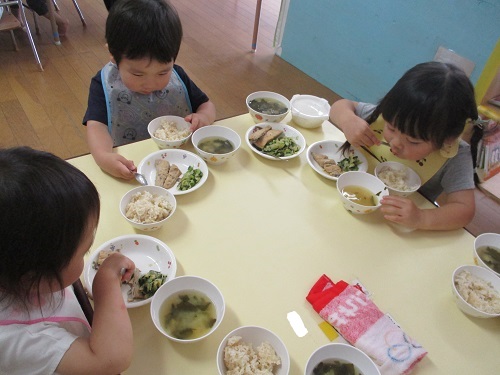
(110, 55)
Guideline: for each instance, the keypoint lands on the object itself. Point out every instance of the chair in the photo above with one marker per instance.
(8, 22)
(83, 300)
(77, 7)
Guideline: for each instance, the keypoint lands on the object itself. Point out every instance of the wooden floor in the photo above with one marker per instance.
(44, 109)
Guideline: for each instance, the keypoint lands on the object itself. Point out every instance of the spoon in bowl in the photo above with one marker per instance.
(141, 178)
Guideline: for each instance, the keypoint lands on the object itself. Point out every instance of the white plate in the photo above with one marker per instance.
(148, 253)
(332, 150)
(288, 131)
(183, 159)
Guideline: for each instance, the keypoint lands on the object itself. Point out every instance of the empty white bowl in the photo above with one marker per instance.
(309, 111)
(399, 178)
(256, 335)
(267, 117)
(186, 284)
(481, 273)
(175, 142)
(216, 131)
(364, 180)
(481, 241)
(342, 352)
(154, 190)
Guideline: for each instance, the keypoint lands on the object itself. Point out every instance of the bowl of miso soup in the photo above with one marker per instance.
(487, 251)
(216, 144)
(267, 106)
(361, 192)
(187, 309)
(338, 358)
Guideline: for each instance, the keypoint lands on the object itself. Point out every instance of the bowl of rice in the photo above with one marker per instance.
(477, 291)
(400, 179)
(147, 208)
(169, 131)
(252, 350)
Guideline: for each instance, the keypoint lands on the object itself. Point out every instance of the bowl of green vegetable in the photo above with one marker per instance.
(275, 141)
(326, 158)
(187, 309)
(216, 144)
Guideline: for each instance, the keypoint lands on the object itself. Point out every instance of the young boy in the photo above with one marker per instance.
(140, 83)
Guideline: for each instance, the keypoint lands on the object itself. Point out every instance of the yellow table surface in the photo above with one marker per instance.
(264, 231)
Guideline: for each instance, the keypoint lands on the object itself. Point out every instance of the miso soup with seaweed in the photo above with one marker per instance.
(268, 106)
(188, 315)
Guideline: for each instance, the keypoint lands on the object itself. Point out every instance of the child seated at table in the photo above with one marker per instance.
(140, 83)
(419, 123)
(50, 211)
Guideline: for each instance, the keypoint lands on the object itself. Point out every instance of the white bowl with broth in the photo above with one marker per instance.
(216, 144)
(487, 252)
(360, 192)
(267, 106)
(187, 309)
(345, 354)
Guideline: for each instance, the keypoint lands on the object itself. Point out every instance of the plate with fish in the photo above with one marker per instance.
(275, 141)
(327, 160)
(179, 171)
(154, 260)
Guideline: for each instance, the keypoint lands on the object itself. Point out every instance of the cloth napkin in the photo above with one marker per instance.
(363, 325)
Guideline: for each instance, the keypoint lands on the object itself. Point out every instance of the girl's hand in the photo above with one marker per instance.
(401, 210)
(359, 134)
(118, 265)
(197, 120)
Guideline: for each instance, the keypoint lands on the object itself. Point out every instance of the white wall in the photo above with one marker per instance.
(359, 48)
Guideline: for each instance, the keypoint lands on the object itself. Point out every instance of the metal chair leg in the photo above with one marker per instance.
(14, 42)
(32, 42)
(55, 5)
(80, 13)
(37, 28)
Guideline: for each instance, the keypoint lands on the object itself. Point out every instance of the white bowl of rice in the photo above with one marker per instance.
(147, 208)
(400, 179)
(169, 131)
(477, 291)
(252, 350)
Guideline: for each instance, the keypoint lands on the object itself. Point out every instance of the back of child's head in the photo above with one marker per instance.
(46, 206)
(137, 29)
(432, 101)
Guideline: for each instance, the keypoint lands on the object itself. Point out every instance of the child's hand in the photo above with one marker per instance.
(119, 266)
(359, 134)
(401, 210)
(116, 165)
(197, 120)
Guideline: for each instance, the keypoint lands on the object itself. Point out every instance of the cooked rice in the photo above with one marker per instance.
(167, 131)
(241, 359)
(395, 178)
(146, 208)
(478, 292)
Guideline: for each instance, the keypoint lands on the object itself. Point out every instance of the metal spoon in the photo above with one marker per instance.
(141, 178)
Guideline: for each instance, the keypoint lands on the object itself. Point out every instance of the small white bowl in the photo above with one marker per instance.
(155, 190)
(256, 335)
(309, 111)
(486, 239)
(365, 180)
(186, 284)
(411, 180)
(343, 352)
(147, 253)
(482, 273)
(288, 131)
(263, 117)
(216, 131)
(181, 125)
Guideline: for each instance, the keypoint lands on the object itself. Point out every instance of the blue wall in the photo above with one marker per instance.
(359, 48)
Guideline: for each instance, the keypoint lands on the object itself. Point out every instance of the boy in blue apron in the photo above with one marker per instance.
(140, 83)
(419, 123)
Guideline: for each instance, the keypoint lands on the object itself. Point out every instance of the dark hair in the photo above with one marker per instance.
(136, 29)
(432, 101)
(46, 205)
